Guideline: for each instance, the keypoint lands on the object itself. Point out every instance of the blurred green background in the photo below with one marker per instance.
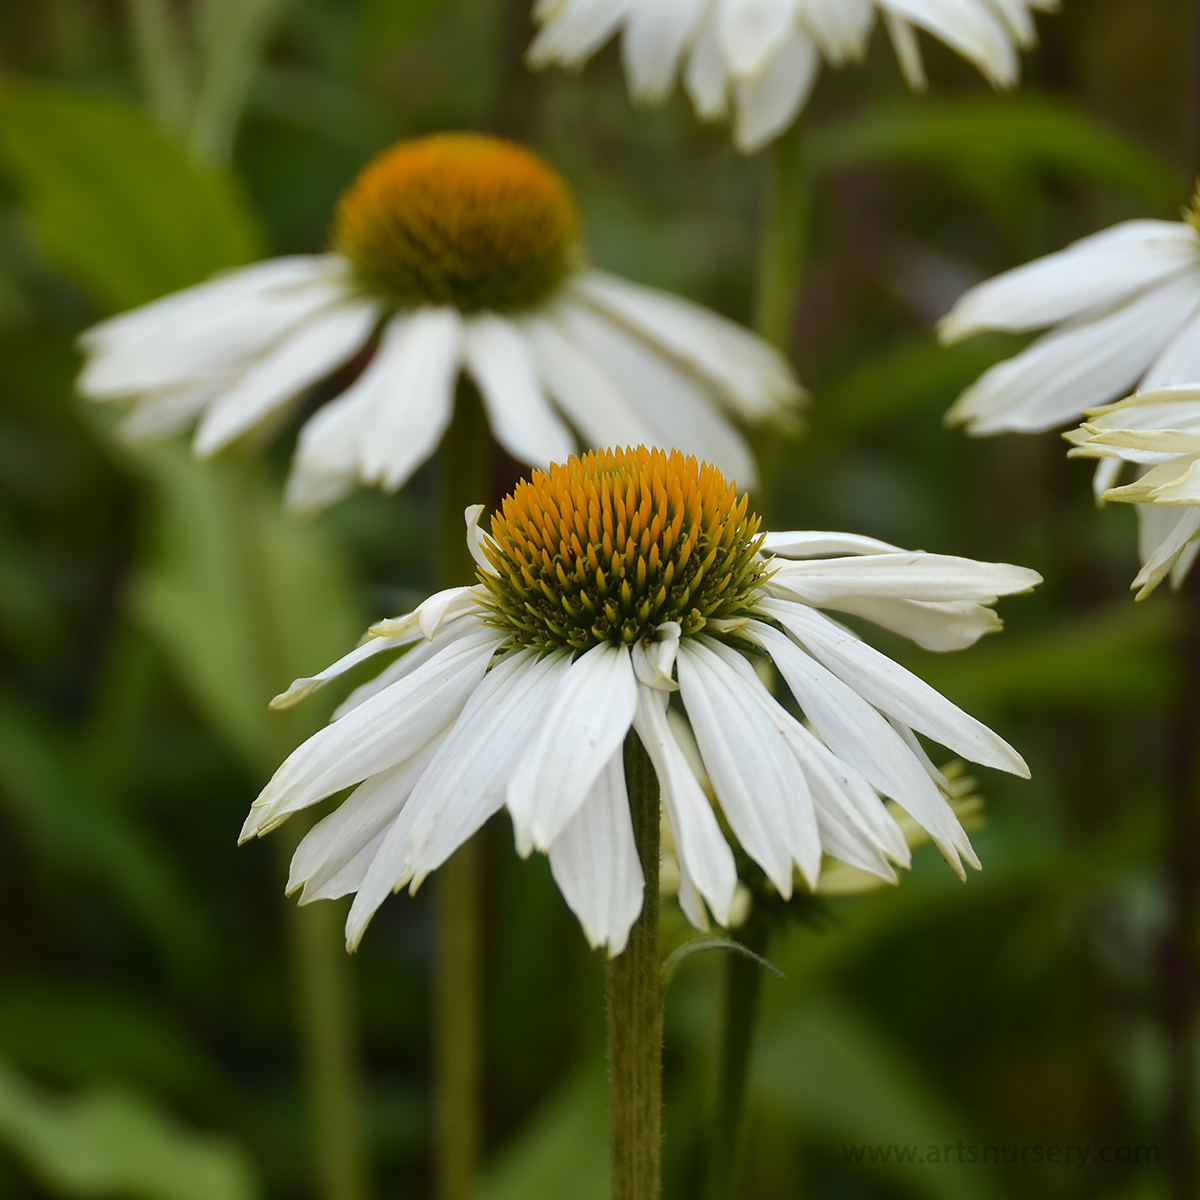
(146, 1026)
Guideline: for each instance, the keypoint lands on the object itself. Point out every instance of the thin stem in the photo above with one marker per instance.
(742, 989)
(320, 965)
(164, 62)
(231, 34)
(635, 1013)
(466, 471)
(784, 231)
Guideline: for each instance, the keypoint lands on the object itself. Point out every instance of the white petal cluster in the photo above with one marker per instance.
(603, 362)
(1123, 312)
(759, 59)
(1158, 432)
(459, 727)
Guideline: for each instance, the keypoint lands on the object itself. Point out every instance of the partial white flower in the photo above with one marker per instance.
(452, 254)
(1158, 433)
(629, 591)
(761, 58)
(1123, 310)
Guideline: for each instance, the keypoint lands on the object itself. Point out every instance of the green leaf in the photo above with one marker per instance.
(242, 599)
(113, 203)
(840, 1079)
(997, 140)
(113, 1142)
(562, 1151)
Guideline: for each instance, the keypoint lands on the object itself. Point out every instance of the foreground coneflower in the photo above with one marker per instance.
(450, 253)
(609, 588)
(761, 58)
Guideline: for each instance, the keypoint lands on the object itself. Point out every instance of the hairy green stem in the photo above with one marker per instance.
(784, 232)
(320, 966)
(164, 62)
(635, 1012)
(741, 980)
(465, 479)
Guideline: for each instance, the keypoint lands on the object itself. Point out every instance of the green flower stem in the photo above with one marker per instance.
(784, 233)
(465, 479)
(741, 979)
(320, 966)
(635, 1013)
(164, 62)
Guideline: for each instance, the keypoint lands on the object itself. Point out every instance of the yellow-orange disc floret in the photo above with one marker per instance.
(606, 547)
(459, 218)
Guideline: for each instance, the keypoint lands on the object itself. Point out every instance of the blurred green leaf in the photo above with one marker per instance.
(561, 1153)
(242, 598)
(996, 138)
(112, 201)
(840, 1079)
(75, 832)
(113, 1142)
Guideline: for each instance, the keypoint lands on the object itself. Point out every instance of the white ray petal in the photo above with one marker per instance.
(751, 33)
(595, 862)
(705, 76)
(893, 689)
(968, 27)
(310, 353)
(818, 544)
(757, 380)
(938, 626)
(522, 419)
(704, 856)
(768, 103)
(656, 36)
(908, 51)
(681, 410)
(381, 732)
(576, 31)
(1089, 276)
(841, 29)
(1179, 363)
(591, 713)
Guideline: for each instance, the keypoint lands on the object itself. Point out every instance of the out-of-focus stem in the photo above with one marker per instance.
(635, 1013)
(784, 233)
(320, 965)
(164, 62)
(465, 479)
(742, 990)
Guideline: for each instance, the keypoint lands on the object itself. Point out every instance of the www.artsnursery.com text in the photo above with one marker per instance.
(1061, 1154)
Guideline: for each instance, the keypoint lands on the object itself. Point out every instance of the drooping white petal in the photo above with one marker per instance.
(857, 733)
(893, 689)
(1179, 363)
(592, 402)
(381, 732)
(940, 627)
(756, 379)
(819, 544)
(595, 862)
(1161, 559)
(705, 858)
(656, 36)
(968, 27)
(414, 407)
(738, 727)
(576, 31)
(1078, 367)
(1089, 276)
(500, 362)
(590, 715)
(155, 418)
(840, 29)
(914, 575)
(908, 51)
(680, 409)
(768, 103)
(653, 663)
(705, 76)
(332, 858)
(467, 780)
(751, 32)
(312, 351)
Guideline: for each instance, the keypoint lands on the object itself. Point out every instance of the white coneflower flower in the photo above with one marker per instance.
(611, 588)
(761, 57)
(452, 252)
(1158, 432)
(1123, 308)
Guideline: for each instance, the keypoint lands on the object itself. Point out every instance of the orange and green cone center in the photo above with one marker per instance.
(463, 219)
(606, 547)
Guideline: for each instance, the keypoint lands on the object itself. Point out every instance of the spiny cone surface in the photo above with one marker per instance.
(459, 218)
(606, 547)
